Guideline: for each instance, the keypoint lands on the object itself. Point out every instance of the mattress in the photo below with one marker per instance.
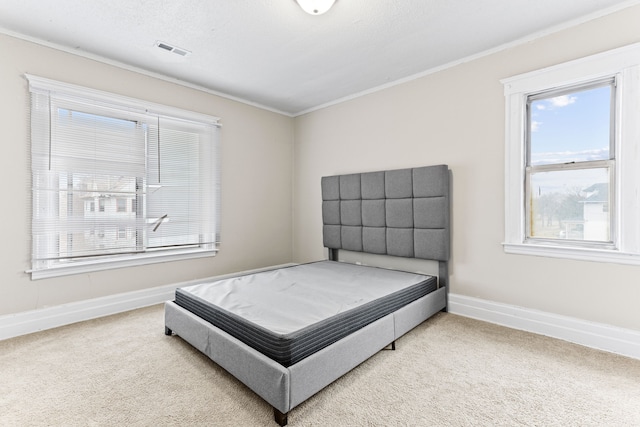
(290, 313)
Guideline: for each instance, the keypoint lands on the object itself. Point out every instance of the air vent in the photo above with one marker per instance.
(174, 49)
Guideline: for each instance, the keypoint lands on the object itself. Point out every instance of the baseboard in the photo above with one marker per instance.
(621, 341)
(13, 325)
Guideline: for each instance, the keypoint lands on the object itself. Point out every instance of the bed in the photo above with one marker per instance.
(287, 333)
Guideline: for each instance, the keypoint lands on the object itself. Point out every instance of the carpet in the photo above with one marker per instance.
(449, 371)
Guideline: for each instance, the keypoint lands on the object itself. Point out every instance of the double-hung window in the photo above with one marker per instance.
(572, 159)
(570, 165)
(117, 181)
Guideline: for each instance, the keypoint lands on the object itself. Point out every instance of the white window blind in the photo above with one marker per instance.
(118, 180)
(180, 184)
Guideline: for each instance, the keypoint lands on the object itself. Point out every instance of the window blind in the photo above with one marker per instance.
(180, 184)
(113, 177)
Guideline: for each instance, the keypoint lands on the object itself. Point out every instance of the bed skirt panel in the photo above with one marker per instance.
(267, 378)
(413, 314)
(315, 372)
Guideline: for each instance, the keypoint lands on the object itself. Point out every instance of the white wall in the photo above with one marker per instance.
(257, 147)
(456, 117)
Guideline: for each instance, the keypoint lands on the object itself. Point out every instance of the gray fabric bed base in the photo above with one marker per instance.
(346, 308)
(285, 388)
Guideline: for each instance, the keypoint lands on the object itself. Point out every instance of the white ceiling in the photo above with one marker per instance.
(271, 53)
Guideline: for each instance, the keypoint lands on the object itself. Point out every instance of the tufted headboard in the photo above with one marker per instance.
(402, 212)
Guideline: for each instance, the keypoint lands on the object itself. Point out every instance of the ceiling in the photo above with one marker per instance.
(272, 54)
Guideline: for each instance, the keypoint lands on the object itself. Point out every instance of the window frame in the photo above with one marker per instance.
(608, 164)
(623, 65)
(42, 85)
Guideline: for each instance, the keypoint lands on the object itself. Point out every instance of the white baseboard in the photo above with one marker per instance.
(13, 325)
(600, 336)
(595, 335)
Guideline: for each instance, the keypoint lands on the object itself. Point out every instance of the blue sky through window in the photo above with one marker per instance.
(573, 127)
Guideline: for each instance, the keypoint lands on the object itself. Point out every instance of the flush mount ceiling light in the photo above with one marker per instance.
(315, 7)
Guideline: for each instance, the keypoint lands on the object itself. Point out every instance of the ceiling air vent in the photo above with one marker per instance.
(174, 49)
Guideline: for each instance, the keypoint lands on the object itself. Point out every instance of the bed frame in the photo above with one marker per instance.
(397, 213)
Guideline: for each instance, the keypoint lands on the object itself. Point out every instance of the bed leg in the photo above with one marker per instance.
(443, 282)
(167, 331)
(280, 418)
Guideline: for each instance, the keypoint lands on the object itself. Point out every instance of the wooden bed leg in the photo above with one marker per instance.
(281, 418)
(393, 345)
(167, 331)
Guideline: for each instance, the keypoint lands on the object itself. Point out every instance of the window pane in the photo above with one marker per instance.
(572, 127)
(570, 204)
(93, 143)
(70, 226)
(179, 204)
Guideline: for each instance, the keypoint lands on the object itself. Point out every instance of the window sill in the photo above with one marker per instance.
(81, 267)
(581, 254)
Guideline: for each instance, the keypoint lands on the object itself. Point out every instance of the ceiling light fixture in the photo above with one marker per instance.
(315, 7)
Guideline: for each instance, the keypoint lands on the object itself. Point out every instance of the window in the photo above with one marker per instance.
(570, 161)
(121, 204)
(90, 146)
(572, 181)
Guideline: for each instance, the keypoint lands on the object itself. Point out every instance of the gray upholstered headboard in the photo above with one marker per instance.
(402, 212)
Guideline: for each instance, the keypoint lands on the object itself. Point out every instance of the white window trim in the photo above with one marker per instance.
(132, 104)
(625, 64)
(37, 83)
(105, 263)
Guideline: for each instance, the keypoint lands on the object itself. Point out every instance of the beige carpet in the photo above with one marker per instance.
(450, 371)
